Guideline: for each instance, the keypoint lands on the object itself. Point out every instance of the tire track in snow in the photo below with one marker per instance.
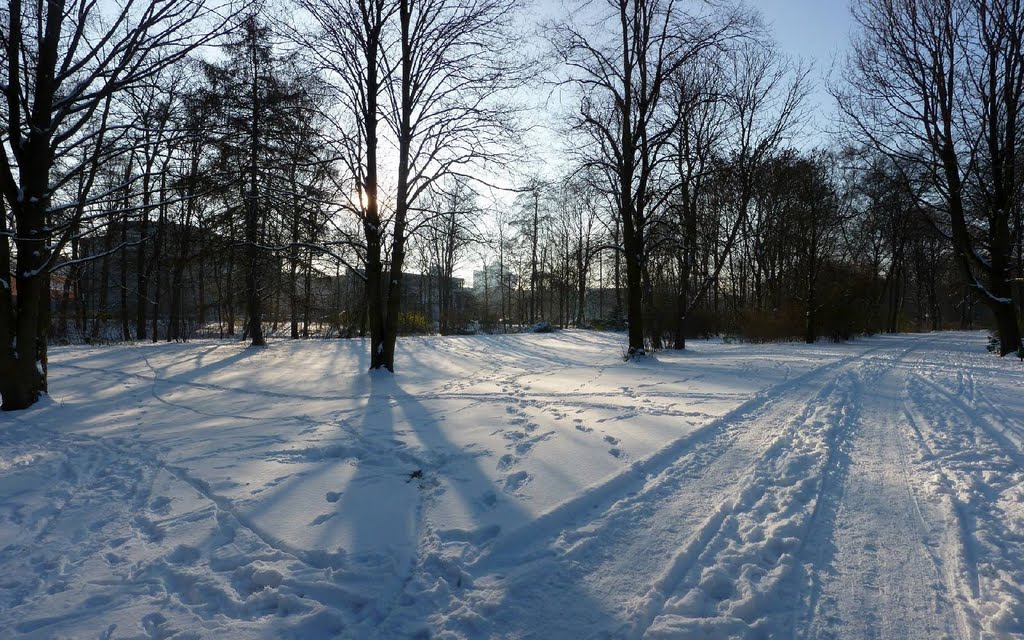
(623, 533)
(700, 444)
(975, 472)
(748, 566)
(868, 567)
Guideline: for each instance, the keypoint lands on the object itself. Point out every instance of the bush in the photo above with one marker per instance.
(781, 325)
(411, 324)
(616, 321)
(541, 327)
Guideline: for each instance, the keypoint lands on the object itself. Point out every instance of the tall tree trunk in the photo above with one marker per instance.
(103, 285)
(293, 255)
(126, 333)
(26, 360)
(535, 223)
(252, 218)
(141, 272)
(307, 307)
(156, 266)
(634, 289)
(8, 374)
(581, 285)
(682, 300)
(402, 194)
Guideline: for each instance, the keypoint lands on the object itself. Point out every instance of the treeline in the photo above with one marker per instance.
(832, 245)
(337, 167)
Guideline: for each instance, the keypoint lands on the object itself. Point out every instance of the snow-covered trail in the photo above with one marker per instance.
(873, 570)
(519, 487)
(710, 543)
(803, 512)
(968, 460)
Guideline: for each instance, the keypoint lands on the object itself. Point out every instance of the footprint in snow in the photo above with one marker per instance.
(322, 518)
(524, 447)
(584, 429)
(506, 461)
(488, 500)
(155, 626)
(184, 554)
(150, 530)
(611, 440)
(515, 481)
(160, 505)
(332, 496)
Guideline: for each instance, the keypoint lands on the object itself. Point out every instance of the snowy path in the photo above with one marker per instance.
(873, 570)
(704, 545)
(519, 487)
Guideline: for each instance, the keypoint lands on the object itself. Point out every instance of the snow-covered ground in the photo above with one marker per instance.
(527, 486)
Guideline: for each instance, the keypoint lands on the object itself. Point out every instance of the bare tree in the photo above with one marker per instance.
(434, 73)
(446, 233)
(62, 63)
(700, 112)
(939, 84)
(621, 65)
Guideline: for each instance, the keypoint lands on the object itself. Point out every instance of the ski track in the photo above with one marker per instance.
(870, 570)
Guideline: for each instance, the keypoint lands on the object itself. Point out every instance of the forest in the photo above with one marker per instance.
(174, 169)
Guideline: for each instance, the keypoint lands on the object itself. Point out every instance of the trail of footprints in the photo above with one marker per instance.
(523, 436)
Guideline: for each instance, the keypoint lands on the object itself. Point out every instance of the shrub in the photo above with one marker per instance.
(781, 325)
(414, 324)
(541, 327)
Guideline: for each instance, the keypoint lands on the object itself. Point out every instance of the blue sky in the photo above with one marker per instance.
(810, 28)
(817, 31)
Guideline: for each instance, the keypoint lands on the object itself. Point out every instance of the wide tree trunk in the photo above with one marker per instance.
(25, 359)
(634, 286)
(374, 303)
(7, 373)
(634, 305)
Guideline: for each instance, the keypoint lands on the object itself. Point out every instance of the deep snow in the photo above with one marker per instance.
(528, 486)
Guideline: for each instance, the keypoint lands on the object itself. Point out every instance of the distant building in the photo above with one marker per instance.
(57, 285)
(421, 294)
(490, 279)
(212, 295)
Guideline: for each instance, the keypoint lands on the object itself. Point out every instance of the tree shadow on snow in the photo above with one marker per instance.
(434, 557)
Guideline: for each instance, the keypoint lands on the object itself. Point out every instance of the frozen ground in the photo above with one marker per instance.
(528, 486)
